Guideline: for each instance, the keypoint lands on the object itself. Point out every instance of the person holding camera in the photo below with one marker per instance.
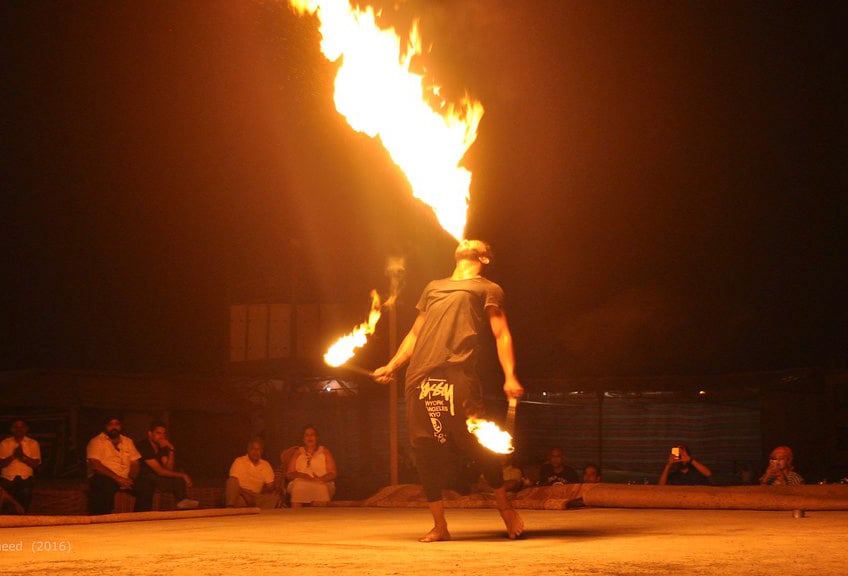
(683, 470)
(780, 470)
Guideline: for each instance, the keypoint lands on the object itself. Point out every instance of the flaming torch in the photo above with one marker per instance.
(490, 435)
(346, 346)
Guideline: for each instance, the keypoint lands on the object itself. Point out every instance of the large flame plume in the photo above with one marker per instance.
(346, 346)
(490, 435)
(379, 96)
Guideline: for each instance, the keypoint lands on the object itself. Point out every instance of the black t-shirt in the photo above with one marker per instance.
(676, 477)
(150, 452)
(455, 318)
(549, 477)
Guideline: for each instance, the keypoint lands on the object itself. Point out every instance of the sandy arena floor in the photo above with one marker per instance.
(373, 541)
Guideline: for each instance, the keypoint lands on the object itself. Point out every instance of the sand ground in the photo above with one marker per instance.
(382, 541)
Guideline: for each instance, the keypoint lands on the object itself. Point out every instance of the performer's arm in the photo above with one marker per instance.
(506, 353)
(384, 374)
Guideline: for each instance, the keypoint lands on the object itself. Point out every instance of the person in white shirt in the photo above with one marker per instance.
(113, 463)
(251, 480)
(20, 455)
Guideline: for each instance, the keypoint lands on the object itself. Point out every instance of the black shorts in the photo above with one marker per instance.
(437, 407)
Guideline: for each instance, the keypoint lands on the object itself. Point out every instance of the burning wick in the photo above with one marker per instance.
(344, 348)
(490, 435)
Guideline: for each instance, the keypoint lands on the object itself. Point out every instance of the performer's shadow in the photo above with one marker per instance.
(542, 533)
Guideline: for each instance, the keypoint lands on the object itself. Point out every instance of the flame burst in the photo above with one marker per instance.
(490, 435)
(379, 96)
(343, 349)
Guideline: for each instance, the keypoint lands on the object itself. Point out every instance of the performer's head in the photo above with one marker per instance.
(475, 250)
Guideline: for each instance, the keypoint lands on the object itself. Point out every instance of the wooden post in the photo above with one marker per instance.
(395, 269)
(601, 429)
(393, 399)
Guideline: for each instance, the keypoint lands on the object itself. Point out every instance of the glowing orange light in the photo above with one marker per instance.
(379, 96)
(490, 435)
(345, 347)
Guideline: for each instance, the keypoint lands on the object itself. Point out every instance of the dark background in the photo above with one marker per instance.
(663, 182)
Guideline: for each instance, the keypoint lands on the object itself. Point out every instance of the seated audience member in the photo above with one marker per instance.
(113, 463)
(513, 476)
(251, 481)
(591, 474)
(683, 470)
(311, 472)
(556, 472)
(20, 455)
(157, 472)
(780, 469)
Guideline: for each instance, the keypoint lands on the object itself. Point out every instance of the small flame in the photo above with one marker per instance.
(490, 435)
(379, 96)
(344, 348)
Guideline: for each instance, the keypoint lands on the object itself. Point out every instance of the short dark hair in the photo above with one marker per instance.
(488, 253)
(157, 424)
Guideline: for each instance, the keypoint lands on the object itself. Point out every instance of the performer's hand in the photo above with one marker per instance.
(513, 388)
(384, 375)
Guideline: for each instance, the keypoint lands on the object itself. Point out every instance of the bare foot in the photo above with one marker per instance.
(513, 522)
(436, 534)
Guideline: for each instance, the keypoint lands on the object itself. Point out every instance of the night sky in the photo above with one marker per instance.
(663, 182)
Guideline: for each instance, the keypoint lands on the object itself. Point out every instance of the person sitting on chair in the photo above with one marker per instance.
(251, 480)
(158, 457)
(312, 472)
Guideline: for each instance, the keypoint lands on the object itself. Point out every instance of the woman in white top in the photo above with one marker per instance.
(311, 472)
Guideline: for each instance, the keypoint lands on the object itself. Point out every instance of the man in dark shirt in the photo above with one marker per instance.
(683, 470)
(157, 471)
(442, 386)
(555, 471)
